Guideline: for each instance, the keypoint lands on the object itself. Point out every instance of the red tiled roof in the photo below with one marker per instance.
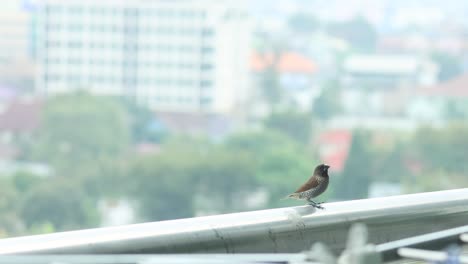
(456, 88)
(334, 148)
(289, 62)
(259, 62)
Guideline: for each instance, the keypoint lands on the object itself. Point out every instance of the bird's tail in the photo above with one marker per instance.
(291, 196)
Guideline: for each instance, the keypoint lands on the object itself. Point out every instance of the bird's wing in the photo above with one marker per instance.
(311, 183)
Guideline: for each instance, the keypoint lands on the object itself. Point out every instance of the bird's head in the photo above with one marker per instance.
(322, 170)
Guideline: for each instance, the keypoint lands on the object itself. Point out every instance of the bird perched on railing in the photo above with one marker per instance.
(316, 185)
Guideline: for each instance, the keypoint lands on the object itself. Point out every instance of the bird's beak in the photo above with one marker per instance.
(326, 166)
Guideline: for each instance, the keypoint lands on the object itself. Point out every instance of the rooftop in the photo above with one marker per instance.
(454, 88)
(21, 116)
(288, 62)
(334, 148)
(382, 64)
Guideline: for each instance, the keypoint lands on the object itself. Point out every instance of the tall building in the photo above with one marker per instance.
(174, 55)
(16, 64)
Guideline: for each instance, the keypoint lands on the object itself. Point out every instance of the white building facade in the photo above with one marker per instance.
(169, 55)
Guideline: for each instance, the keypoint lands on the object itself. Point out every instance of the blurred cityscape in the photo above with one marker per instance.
(116, 112)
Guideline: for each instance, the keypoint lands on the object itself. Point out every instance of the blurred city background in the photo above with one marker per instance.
(117, 112)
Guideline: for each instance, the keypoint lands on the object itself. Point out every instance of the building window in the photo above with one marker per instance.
(207, 50)
(74, 61)
(53, 26)
(53, 9)
(206, 83)
(185, 49)
(206, 66)
(115, 11)
(187, 31)
(185, 65)
(203, 14)
(75, 10)
(52, 44)
(75, 44)
(207, 32)
(205, 101)
(75, 27)
(73, 78)
(185, 82)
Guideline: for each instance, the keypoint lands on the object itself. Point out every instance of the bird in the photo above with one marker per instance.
(316, 185)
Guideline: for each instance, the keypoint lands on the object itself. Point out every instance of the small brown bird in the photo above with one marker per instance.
(316, 185)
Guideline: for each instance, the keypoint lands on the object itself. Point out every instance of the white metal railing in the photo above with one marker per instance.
(283, 230)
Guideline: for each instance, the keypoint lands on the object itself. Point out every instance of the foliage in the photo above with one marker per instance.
(227, 176)
(389, 165)
(271, 87)
(59, 203)
(356, 177)
(166, 185)
(443, 149)
(162, 187)
(303, 23)
(24, 181)
(10, 222)
(86, 140)
(358, 32)
(328, 103)
(294, 124)
(105, 177)
(80, 128)
(282, 163)
(449, 66)
(143, 125)
(268, 79)
(456, 109)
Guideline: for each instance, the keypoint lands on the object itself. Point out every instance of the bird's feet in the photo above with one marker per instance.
(316, 205)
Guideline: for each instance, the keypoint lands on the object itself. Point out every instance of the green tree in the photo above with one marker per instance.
(270, 85)
(80, 128)
(105, 177)
(225, 176)
(258, 143)
(440, 156)
(443, 148)
(449, 66)
(456, 109)
(389, 165)
(166, 185)
(357, 173)
(303, 23)
(61, 204)
(268, 80)
(25, 181)
(143, 123)
(327, 104)
(294, 124)
(358, 32)
(10, 223)
(282, 163)
(162, 186)
(282, 171)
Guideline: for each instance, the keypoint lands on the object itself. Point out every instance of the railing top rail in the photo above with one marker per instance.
(264, 231)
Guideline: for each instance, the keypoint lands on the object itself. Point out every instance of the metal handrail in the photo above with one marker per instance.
(428, 255)
(431, 241)
(285, 230)
(151, 258)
